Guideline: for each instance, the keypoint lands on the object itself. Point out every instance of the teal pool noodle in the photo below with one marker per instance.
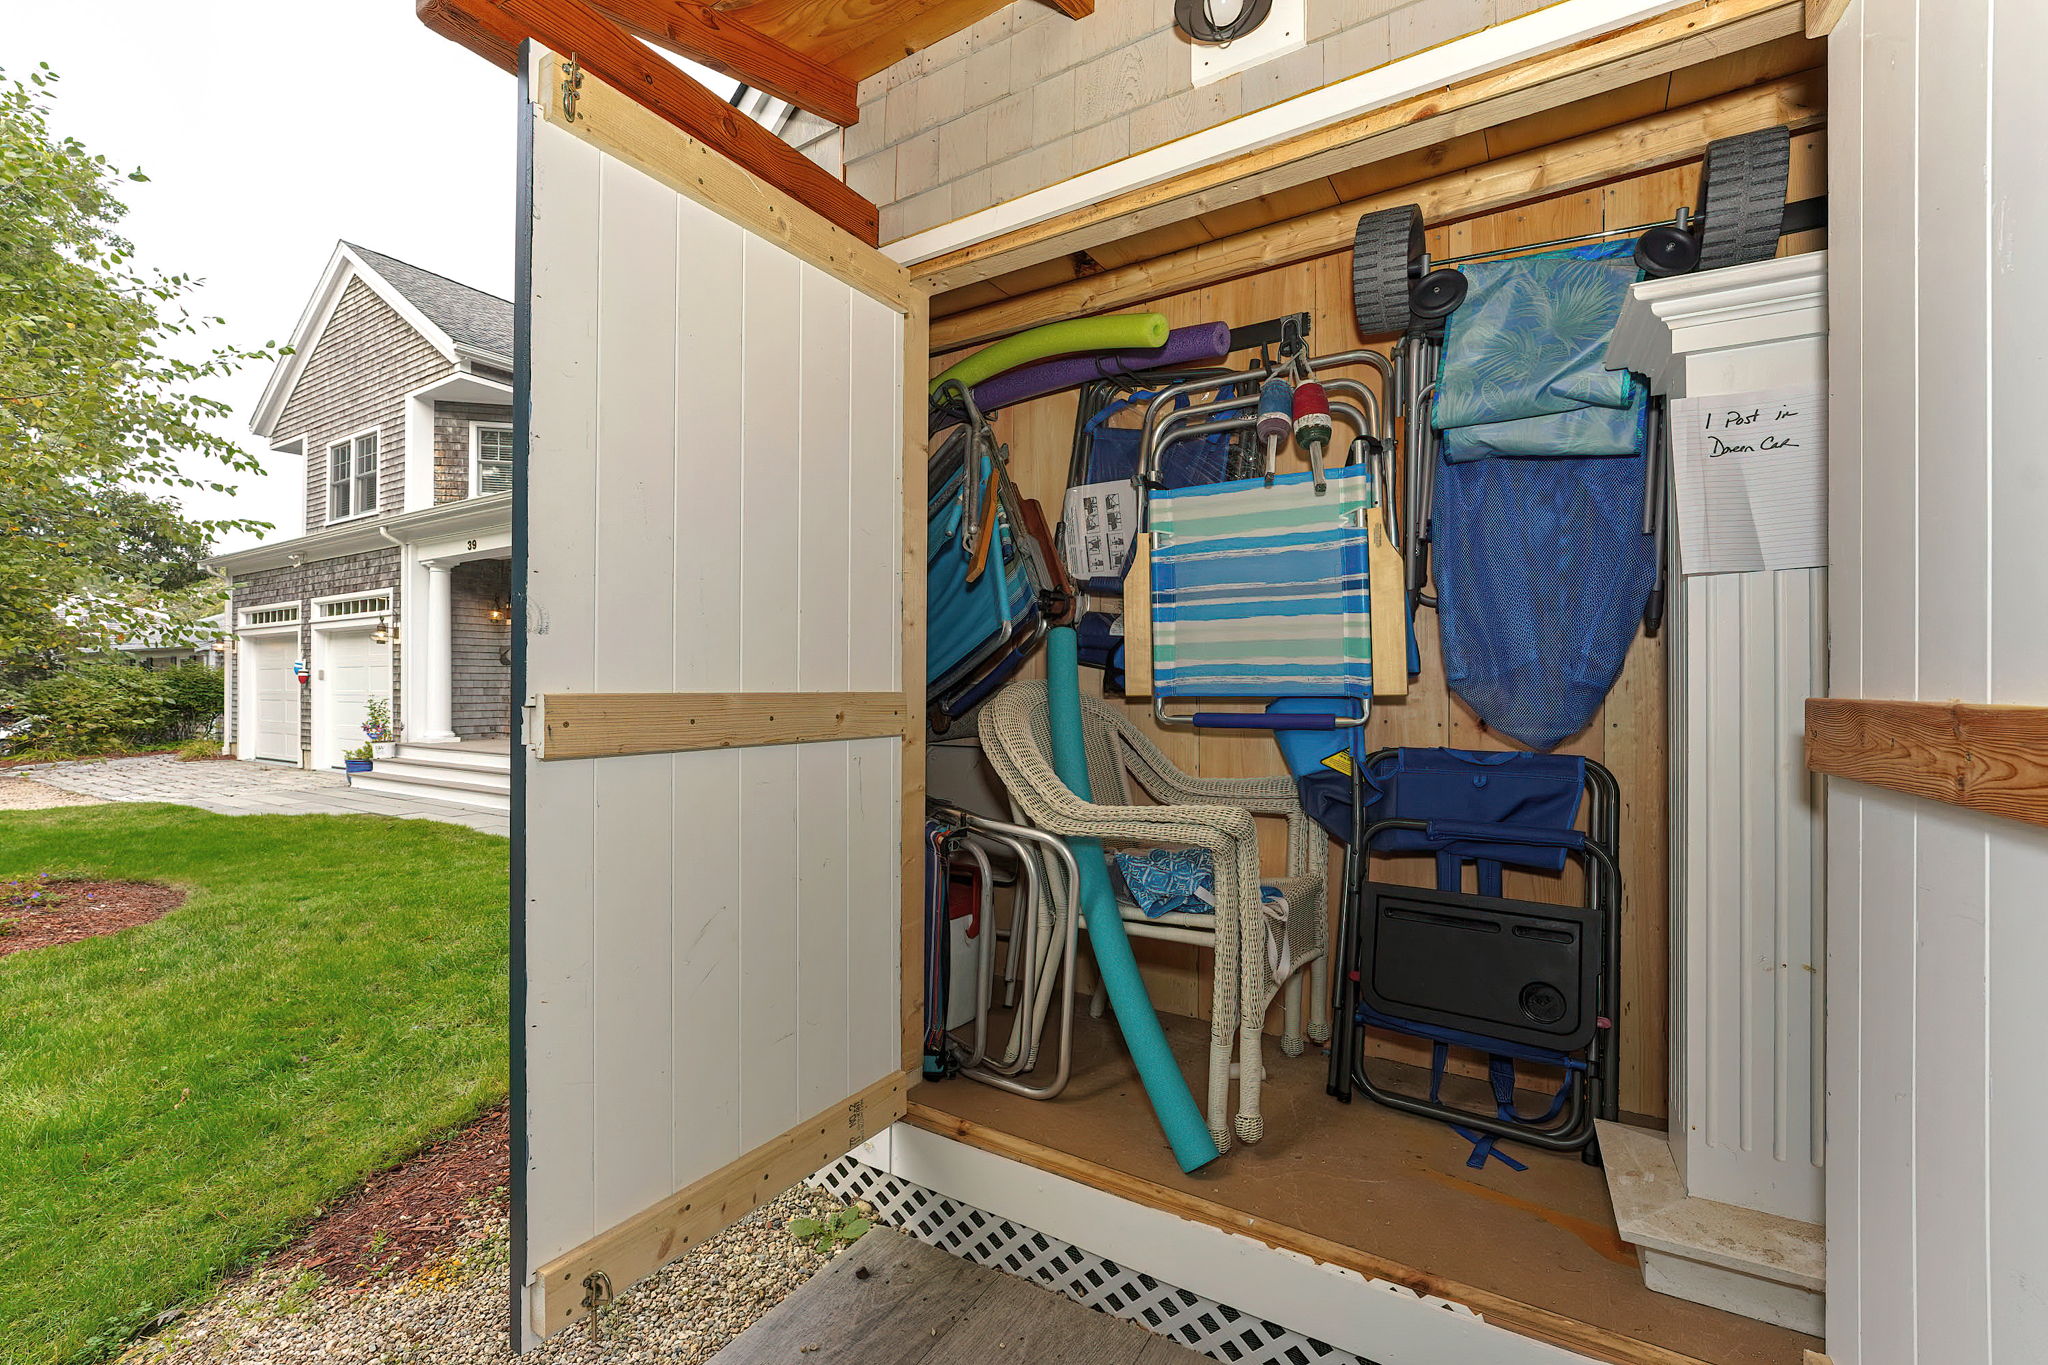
(1186, 1132)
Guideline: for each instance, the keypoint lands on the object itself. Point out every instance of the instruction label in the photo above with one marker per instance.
(1099, 521)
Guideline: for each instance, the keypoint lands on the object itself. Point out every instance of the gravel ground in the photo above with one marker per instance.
(19, 793)
(452, 1311)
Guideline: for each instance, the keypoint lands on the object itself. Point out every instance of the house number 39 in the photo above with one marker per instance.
(472, 545)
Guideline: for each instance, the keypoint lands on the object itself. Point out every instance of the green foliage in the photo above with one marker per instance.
(98, 708)
(377, 720)
(362, 753)
(100, 410)
(183, 1096)
(836, 1227)
(197, 750)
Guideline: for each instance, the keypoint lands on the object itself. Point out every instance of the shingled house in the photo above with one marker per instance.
(396, 402)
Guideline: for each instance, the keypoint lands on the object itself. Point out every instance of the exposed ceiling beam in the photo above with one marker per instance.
(494, 30)
(728, 43)
(1073, 9)
(1823, 15)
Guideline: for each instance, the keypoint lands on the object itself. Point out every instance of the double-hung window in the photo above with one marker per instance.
(491, 470)
(352, 477)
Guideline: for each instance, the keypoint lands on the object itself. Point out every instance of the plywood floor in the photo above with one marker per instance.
(890, 1300)
(1388, 1184)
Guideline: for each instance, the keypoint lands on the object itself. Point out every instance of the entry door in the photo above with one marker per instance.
(721, 763)
(353, 669)
(274, 696)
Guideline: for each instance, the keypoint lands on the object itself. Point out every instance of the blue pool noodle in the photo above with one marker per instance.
(1186, 1133)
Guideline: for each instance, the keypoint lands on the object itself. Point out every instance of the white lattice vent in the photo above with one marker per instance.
(1215, 1329)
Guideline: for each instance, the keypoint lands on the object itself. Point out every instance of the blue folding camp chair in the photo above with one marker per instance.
(1518, 980)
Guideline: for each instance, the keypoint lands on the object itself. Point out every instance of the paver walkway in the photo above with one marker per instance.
(230, 786)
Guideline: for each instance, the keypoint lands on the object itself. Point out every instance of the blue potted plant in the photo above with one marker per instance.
(358, 759)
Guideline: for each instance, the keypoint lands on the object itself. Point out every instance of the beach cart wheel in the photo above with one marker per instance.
(1742, 197)
(1384, 252)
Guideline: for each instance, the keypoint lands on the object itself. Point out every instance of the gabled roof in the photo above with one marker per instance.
(480, 321)
(457, 320)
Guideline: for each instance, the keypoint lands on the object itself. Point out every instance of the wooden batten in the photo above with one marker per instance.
(1989, 758)
(1659, 45)
(649, 1240)
(613, 724)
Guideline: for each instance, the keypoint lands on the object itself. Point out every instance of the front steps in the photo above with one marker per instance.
(472, 773)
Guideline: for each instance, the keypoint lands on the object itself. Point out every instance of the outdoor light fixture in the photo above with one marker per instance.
(501, 612)
(383, 634)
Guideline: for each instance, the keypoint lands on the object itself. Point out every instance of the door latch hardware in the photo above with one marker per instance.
(572, 87)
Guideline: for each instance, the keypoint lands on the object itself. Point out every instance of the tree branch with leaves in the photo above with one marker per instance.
(102, 418)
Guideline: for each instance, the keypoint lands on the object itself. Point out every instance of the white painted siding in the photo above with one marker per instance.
(1938, 942)
(714, 505)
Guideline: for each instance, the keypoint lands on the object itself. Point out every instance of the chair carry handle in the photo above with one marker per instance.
(1487, 832)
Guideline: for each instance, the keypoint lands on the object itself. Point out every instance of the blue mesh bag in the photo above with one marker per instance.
(1541, 566)
(1113, 451)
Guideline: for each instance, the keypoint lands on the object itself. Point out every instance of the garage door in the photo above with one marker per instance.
(274, 697)
(353, 668)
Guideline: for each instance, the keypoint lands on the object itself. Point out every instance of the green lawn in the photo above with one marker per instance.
(177, 1098)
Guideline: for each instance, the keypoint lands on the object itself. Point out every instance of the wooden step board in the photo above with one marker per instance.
(892, 1300)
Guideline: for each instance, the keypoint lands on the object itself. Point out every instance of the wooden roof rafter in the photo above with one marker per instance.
(495, 29)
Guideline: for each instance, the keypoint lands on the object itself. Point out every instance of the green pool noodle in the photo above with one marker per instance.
(1117, 332)
(1186, 1133)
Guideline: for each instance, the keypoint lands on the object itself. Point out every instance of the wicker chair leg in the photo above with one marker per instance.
(1250, 1128)
(1319, 999)
(1291, 1041)
(1251, 1077)
(1219, 1080)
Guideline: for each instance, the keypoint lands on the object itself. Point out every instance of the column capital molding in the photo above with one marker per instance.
(1665, 322)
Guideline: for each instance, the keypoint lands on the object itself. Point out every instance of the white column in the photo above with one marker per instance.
(436, 672)
(1744, 1165)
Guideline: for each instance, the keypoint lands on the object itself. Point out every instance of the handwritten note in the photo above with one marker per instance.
(1750, 472)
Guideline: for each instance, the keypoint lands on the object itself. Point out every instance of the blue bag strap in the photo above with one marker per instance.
(1485, 1146)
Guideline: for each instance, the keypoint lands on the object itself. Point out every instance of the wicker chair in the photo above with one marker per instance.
(1208, 813)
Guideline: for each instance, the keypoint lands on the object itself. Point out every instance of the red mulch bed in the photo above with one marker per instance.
(400, 1219)
(45, 911)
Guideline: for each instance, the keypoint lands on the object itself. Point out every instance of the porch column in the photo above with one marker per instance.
(436, 660)
(1728, 1211)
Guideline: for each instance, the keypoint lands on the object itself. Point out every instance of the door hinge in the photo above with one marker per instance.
(572, 87)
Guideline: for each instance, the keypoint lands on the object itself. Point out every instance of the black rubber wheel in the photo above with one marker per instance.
(1437, 294)
(1667, 250)
(1742, 195)
(1383, 250)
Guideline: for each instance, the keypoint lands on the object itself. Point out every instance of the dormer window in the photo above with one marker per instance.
(352, 477)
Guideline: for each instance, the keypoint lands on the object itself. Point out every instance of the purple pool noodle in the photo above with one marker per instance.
(1204, 341)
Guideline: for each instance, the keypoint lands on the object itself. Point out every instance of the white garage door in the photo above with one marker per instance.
(273, 702)
(352, 669)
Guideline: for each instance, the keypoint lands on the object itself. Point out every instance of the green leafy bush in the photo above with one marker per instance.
(97, 708)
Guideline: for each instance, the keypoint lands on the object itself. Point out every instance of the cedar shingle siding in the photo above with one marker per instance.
(482, 704)
(361, 368)
(451, 444)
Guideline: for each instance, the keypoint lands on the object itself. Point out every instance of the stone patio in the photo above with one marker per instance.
(232, 787)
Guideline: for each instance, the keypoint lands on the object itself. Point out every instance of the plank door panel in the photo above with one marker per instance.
(713, 479)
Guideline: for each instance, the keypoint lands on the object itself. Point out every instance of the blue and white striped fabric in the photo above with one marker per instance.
(1262, 592)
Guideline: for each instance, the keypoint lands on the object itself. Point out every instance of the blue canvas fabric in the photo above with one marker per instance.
(1174, 881)
(1524, 371)
(962, 618)
(1113, 451)
(1541, 566)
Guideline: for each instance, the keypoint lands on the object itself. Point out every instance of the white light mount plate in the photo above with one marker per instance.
(1285, 30)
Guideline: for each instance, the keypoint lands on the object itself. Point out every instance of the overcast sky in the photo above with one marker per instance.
(269, 130)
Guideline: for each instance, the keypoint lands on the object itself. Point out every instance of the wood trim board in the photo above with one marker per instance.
(1555, 1328)
(613, 724)
(641, 1245)
(1655, 46)
(1674, 138)
(910, 975)
(624, 127)
(1988, 758)
(1823, 15)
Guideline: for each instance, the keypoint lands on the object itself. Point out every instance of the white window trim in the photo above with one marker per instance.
(327, 475)
(476, 453)
(242, 622)
(319, 620)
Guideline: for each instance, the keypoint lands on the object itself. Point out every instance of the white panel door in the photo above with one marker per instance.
(709, 506)
(273, 705)
(352, 669)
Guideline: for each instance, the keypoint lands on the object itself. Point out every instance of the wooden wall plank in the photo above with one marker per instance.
(1989, 758)
(606, 724)
(1673, 138)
